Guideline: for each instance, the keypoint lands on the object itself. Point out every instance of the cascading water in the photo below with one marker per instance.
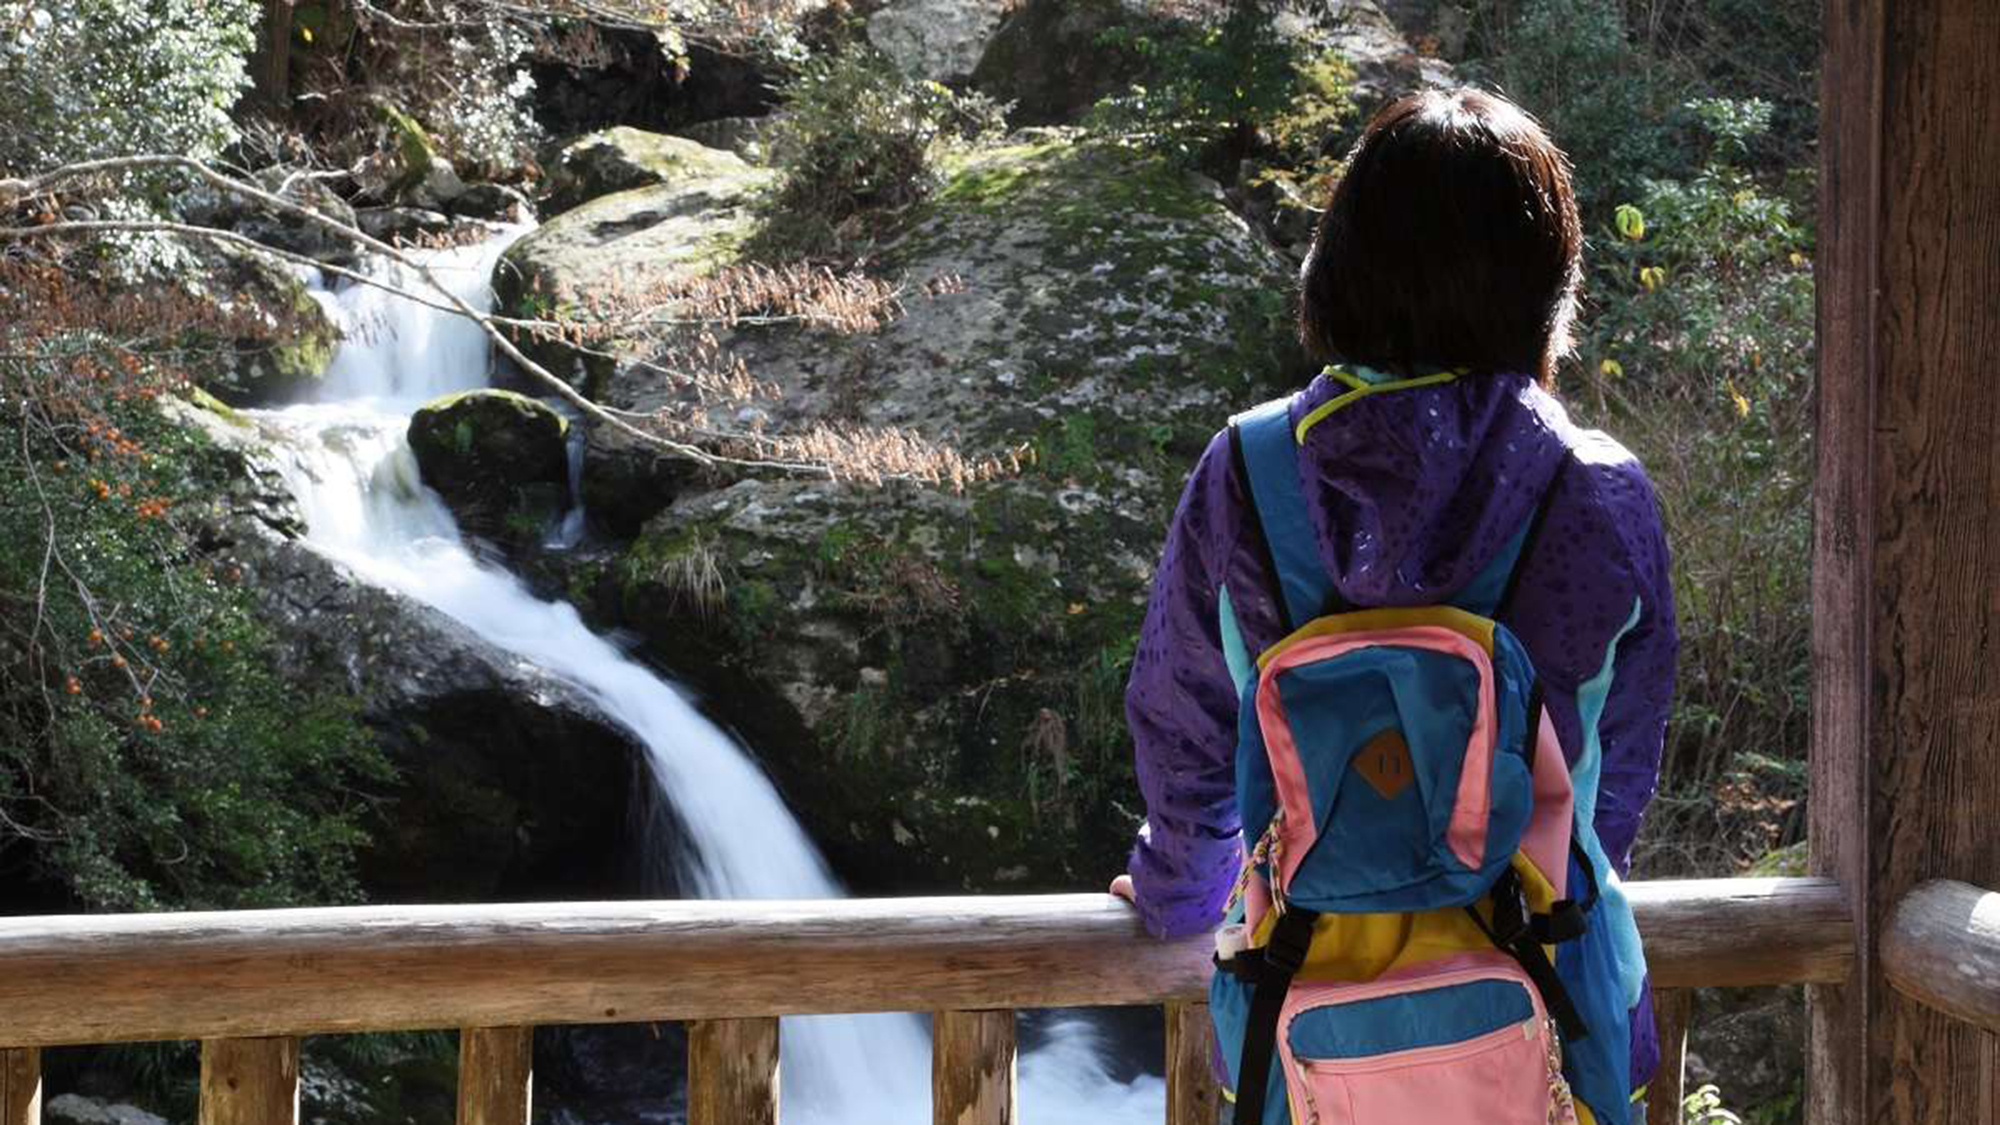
(346, 460)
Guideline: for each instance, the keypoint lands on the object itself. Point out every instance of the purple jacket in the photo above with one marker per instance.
(1413, 492)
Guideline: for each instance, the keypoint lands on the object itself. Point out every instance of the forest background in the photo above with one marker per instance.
(155, 755)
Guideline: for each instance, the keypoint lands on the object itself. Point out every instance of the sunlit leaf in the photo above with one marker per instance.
(1631, 222)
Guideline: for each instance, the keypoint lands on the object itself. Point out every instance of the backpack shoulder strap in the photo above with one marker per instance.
(1269, 456)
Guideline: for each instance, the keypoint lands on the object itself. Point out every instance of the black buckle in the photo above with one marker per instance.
(1565, 921)
(1291, 938)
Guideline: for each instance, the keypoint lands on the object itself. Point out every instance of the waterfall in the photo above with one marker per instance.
(356, 481)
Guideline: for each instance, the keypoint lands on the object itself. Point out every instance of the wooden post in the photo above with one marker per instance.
(733, 1072)
(972, 1068)
(1671, 1007)
(20, 1086)
(1193, 1095)
(1905, 776)
(496, 1075)
(1942, 947)
(250, 1081)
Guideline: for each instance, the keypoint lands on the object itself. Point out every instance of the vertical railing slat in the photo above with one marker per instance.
(496, 1075)
(972, 1068)
(1671, 1009)
(250, 1081)
(1193, 1095)
(20, 1085)
(733, 1072)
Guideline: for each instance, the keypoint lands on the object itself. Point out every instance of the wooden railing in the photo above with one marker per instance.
(249, 984)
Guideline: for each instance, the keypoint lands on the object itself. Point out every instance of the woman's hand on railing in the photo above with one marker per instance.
(1122, 887)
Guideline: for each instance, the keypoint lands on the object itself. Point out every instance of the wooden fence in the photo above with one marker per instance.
(248, 984)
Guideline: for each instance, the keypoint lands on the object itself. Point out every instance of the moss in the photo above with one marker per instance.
(204, 400)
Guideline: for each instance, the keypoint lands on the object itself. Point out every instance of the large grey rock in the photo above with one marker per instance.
(622, 158)
(937, 675)
(607, 247)
(941, 40)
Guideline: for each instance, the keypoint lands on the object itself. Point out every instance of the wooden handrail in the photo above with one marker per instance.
(1942, 947)
(113, 978)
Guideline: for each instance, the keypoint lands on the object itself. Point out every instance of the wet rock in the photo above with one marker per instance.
(627, 481)
(496, 203)
(406, 226)
(513, 785)
(623, 158)
(498, 459)
(941, 40)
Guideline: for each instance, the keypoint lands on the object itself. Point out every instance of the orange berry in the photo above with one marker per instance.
(117, 661)
(97, 636)
(72, 686)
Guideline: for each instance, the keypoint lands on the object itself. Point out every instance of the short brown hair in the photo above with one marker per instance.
(1451, 241)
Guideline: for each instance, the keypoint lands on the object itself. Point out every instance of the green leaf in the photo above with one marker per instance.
(1631, 222)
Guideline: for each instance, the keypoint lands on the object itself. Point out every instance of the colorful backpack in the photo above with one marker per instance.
(1418, 935)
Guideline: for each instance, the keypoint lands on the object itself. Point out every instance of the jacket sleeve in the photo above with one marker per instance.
(1633, 727)
(1181, 708)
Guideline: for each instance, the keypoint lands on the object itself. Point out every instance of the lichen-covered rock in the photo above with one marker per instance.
(941, 40)
(622, 158)
(610, 245)
(498, 458)
(937, 678)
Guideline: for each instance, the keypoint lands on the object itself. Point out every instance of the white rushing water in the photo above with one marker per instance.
(357, 482)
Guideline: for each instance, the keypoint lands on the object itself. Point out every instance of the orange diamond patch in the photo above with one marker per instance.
(1384, 763)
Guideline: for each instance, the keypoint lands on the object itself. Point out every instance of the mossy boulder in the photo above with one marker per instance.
(613, 245)
(622, 158)
(498, 459)
(937, 678)
(289, 339)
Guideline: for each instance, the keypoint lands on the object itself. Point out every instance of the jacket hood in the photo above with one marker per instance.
(1414, 490)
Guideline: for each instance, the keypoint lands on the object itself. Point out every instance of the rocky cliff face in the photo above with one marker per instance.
(936, 679)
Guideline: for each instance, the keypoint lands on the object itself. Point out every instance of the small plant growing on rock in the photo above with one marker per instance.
(860, 139)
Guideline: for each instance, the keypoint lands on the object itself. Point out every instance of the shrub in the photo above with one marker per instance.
(150, 755)
(87, 79)
(1611, 108)
(1701, 345)
(857, 139)
(1211, 84)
